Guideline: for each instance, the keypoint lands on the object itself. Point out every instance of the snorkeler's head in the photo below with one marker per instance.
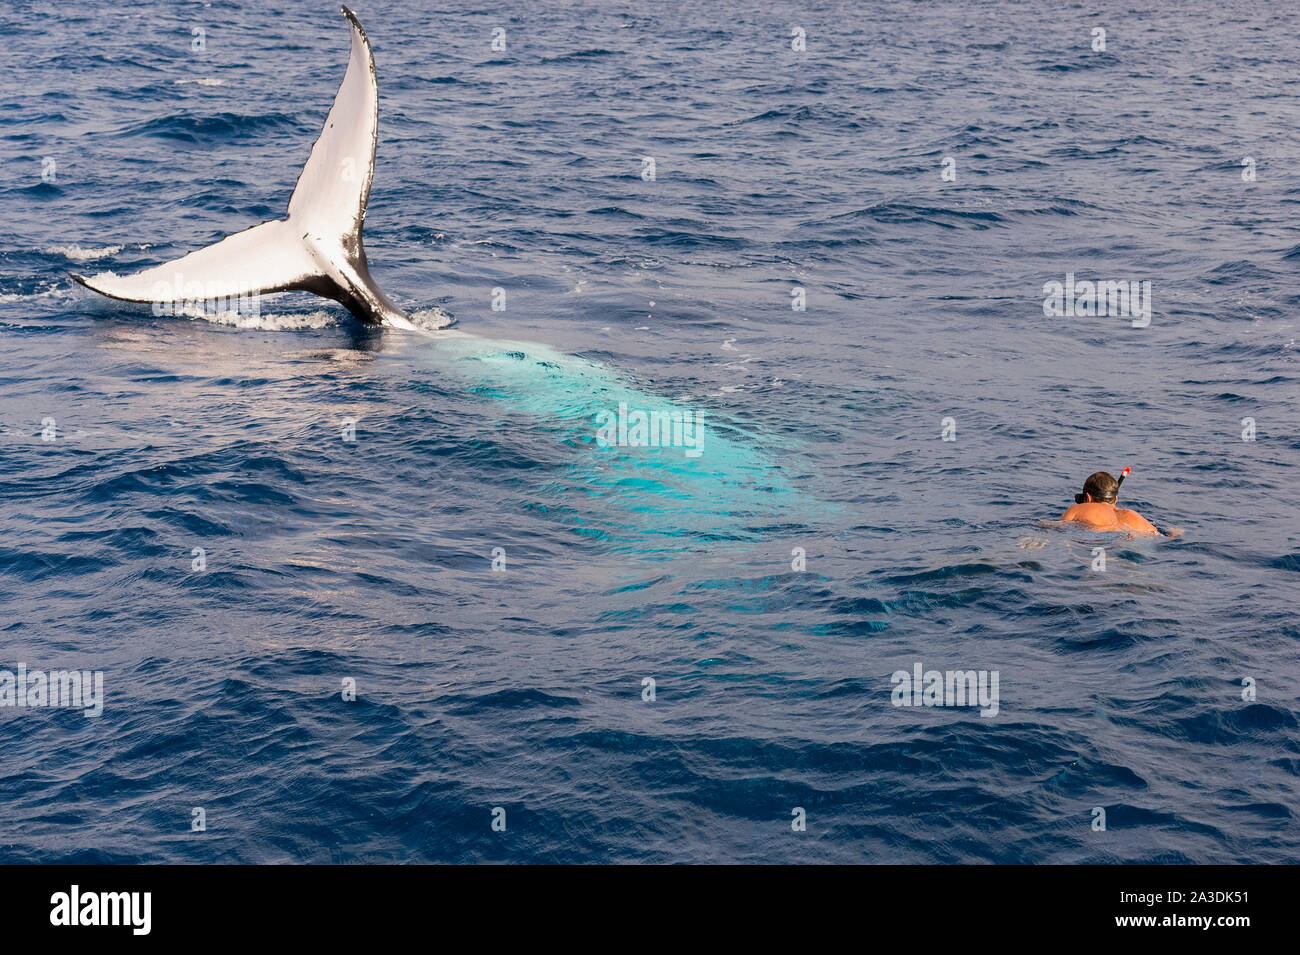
(1102, 486)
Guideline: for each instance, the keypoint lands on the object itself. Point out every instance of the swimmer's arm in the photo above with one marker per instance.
(1069, 513)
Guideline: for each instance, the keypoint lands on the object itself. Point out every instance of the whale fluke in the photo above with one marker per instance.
(317, 247)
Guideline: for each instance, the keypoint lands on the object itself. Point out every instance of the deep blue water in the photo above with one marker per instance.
(371, 560)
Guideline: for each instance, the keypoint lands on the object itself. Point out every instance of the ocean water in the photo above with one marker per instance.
(826, 535)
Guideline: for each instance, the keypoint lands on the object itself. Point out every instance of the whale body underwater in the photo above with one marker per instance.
(685, 468)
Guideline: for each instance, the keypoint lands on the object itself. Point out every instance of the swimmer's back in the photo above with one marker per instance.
(1105, 517)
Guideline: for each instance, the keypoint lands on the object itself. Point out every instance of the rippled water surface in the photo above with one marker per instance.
(371, 560)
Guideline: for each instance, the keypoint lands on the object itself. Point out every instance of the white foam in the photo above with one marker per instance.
(202, 81)
(78, 254)
(265, 321)
(431, 319)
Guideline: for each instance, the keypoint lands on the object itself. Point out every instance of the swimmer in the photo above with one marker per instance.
(1095, 508)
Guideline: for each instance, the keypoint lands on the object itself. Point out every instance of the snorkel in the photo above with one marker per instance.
(1120, 482)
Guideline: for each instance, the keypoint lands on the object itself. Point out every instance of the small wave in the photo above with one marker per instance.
(581, 55)
(202, 81)
(78, 254)
(204, 129)
(52, 290)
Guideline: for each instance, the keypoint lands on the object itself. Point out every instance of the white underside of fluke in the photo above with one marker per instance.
(317, 247)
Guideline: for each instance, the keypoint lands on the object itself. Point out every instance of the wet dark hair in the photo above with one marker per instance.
(1102, 486)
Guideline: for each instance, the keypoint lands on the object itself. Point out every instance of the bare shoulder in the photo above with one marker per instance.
(1135, 521)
